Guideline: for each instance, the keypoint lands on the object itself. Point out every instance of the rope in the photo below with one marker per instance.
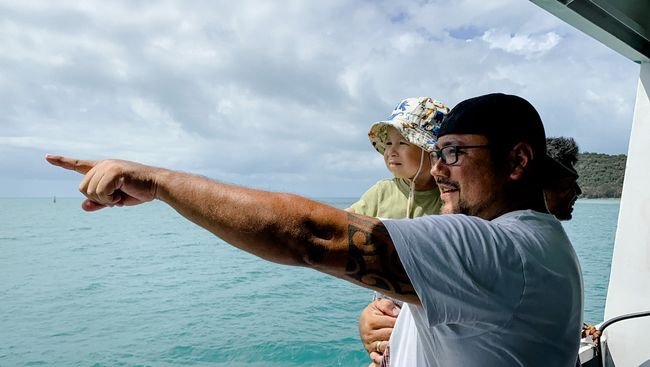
(411, 197)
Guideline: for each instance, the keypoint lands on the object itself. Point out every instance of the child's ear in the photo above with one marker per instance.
(521, 156)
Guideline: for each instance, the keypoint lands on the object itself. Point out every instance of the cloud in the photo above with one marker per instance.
(280, 96)
(529, 46)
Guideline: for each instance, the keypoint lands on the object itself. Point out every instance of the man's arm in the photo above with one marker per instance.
(282, 228)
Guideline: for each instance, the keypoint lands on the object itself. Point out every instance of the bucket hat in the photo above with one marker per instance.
(416, 119)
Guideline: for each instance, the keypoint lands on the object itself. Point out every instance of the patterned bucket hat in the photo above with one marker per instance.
(416, 119)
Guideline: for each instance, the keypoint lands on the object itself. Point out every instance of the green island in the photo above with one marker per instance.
(601, 175)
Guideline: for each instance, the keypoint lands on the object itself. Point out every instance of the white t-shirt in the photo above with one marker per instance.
(506, 292)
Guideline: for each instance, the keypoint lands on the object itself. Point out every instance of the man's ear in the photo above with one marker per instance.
(521, 157)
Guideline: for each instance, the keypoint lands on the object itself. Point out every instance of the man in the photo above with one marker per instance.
(561, 191)
(561, 188)
(498, 285)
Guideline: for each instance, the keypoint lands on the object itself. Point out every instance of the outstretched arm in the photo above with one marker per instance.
(282, 228)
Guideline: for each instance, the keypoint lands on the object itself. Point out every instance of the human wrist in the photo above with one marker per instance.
(162, 181)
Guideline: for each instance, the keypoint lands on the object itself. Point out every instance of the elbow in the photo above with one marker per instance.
(315, 234)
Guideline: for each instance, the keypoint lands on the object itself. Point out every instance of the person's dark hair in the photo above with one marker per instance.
(563, 150)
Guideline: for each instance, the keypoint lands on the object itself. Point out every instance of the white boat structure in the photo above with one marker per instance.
(624, 26)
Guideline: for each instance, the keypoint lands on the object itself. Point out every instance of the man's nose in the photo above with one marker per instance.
(578, 190)
(437, 167)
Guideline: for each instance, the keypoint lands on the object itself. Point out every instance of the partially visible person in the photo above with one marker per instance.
(492, 282)
(561, 188)
(560, 191)
(405, 140)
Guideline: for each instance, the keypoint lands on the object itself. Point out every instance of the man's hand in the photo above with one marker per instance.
(110, 182)
(590, 330)
(375, 326)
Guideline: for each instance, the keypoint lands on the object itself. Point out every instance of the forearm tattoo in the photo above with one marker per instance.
(373, 259)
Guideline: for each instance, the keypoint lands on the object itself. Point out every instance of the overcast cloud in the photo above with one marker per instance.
(279, 94)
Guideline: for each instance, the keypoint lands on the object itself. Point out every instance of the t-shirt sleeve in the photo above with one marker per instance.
(463, 268)
(368, 203)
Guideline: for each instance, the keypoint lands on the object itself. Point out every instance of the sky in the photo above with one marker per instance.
(279, 95)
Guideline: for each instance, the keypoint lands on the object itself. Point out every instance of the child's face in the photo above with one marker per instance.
(403, 158)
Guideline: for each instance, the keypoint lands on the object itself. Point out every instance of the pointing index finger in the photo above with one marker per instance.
(78, 165)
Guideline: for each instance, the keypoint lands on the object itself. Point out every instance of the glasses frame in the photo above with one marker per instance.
(438, 154)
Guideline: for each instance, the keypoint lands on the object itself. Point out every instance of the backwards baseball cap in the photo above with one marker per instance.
(504, 119)
(416, 119)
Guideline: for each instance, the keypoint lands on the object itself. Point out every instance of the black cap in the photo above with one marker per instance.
(504, 119)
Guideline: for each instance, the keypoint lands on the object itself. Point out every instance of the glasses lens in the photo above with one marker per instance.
(449, 154)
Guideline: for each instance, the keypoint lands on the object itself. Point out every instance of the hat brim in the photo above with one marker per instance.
(378, 134)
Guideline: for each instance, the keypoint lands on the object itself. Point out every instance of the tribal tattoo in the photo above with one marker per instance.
(373, 258)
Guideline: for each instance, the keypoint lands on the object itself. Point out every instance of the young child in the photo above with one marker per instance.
(405, 140)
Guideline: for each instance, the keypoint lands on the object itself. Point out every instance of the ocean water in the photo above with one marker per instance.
(141, 286)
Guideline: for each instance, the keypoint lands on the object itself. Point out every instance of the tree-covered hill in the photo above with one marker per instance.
(601, 175)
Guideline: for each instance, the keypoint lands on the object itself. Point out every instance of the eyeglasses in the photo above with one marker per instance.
(449, 154)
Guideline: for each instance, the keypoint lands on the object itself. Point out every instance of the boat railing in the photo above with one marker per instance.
(599, 344)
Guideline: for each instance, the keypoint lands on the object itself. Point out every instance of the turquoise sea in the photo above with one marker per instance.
(141, 286)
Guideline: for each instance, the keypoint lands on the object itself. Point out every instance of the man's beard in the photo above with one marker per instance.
(564, 215)
(476, 209)
(463, 207)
